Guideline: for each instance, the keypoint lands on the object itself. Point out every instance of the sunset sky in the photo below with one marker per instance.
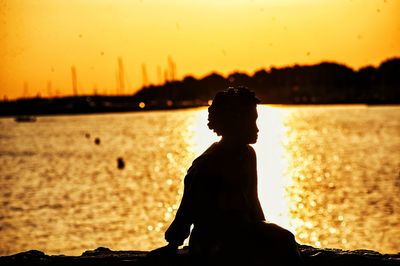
(40, 40)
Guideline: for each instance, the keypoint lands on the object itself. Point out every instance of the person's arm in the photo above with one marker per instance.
(257, 209)
(179, 229)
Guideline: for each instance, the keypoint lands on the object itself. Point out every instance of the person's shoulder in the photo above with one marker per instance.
(209, 154)
(208, 157)
(251, 151)
(203, 165)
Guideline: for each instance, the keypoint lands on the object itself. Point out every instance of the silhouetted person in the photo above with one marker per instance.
(220, 196)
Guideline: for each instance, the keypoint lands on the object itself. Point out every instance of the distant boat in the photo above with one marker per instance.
(25, 118)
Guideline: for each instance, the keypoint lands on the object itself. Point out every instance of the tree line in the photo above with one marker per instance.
(321, 83)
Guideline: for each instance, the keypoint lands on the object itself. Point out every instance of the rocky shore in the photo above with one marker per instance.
(104, 256)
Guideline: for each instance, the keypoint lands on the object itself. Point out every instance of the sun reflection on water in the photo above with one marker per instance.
(328, 174)
(272, 164)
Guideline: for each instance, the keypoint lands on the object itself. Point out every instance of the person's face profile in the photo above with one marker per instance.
(250, 128)
(246, 130)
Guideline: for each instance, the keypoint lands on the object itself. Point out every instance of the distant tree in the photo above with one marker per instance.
(211, 84)
(365, 83)
(326, 82)
(388, 78)
(240, 79)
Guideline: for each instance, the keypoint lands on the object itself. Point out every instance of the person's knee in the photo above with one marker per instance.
(284, 234)
(289, 235)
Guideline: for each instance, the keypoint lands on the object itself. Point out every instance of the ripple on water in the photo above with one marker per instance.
(329, 174)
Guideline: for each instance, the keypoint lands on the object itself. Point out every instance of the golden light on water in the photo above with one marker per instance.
(272, 164)
(328, 174)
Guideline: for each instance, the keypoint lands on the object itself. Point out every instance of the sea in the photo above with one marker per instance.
(328, 173)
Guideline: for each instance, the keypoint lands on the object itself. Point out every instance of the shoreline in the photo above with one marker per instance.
(104, 256)
(155, 109)
(97, 104)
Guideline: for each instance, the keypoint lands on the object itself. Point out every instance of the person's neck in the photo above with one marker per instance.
(233, 142)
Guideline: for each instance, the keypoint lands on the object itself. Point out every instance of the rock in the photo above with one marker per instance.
(104, 256)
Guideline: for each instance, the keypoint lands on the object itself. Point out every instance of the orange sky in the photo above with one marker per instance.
(41, 39)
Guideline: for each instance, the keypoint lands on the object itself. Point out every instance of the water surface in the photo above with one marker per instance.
(330, 174)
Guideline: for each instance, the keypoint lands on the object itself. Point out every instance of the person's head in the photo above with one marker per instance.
(233, 115)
